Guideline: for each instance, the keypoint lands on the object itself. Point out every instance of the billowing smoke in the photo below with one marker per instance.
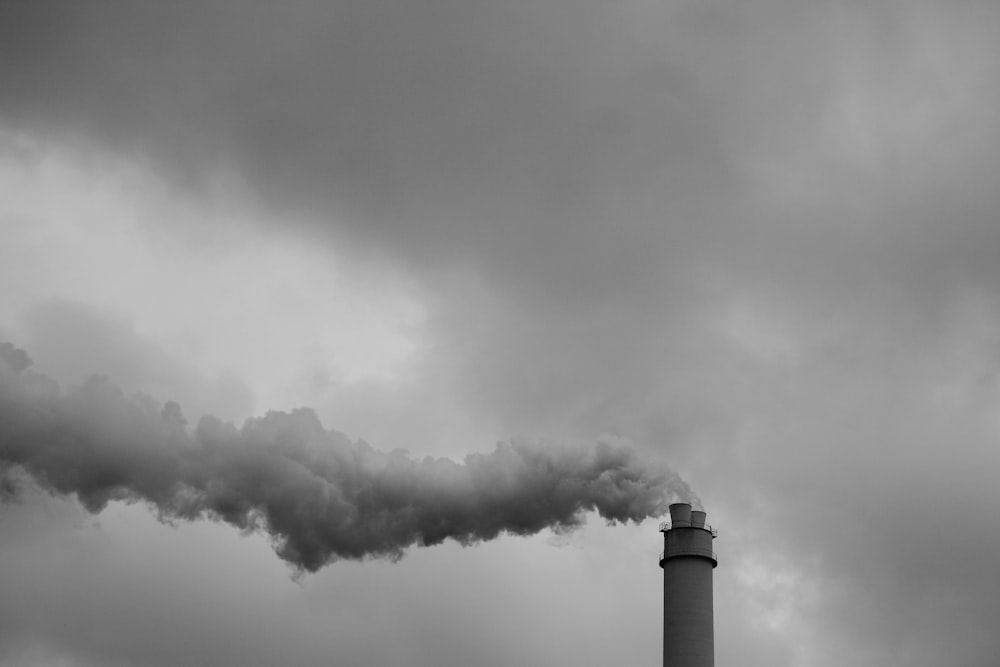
(320, 496)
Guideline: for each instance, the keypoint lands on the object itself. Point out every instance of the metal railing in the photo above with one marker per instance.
(708, 553)
(665, 526)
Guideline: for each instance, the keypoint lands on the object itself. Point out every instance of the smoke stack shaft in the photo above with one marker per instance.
(687, 562)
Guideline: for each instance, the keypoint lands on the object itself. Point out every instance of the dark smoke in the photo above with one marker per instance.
(318, 495)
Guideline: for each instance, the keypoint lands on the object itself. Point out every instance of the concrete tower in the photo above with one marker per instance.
(687, 561)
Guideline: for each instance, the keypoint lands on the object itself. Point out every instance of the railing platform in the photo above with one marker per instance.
(665, 526)
(702, 553)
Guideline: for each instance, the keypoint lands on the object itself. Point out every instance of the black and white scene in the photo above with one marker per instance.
(441, 333)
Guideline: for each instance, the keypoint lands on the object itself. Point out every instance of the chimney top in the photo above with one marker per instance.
(680, 515)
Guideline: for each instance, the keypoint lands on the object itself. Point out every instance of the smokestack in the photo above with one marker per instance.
(687, 561)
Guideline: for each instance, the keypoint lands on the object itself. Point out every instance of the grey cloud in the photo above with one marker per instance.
(869, 476)
(587, 192)
(647, 163)
(16, 359)
(433, 129)
(102, 343)
(566, 154)
(320, 496)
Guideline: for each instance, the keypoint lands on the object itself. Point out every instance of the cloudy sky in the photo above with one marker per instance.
(753, 242)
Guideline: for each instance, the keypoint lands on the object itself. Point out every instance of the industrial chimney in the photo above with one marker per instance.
(687, 561)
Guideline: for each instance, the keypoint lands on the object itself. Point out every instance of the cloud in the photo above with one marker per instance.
(611, 177)
(762, 236)
(103, 344)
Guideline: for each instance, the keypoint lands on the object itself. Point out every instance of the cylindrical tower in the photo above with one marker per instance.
(687, 561)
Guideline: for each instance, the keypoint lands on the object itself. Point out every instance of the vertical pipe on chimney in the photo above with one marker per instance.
(687, 562)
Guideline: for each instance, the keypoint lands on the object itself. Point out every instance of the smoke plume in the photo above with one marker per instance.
(320, 496)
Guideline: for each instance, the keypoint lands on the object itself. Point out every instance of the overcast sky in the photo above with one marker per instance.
(755, 242)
